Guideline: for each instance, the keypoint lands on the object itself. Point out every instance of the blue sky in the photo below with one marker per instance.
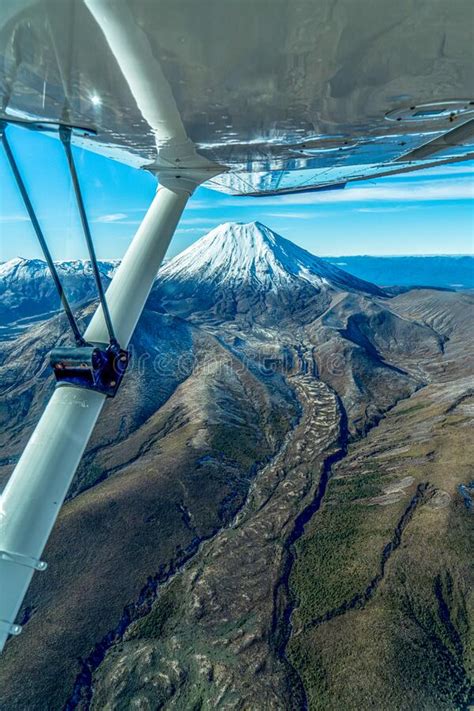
(429, 212)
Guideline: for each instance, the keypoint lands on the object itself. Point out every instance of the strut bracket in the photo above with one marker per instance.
(25, 560)
(10, 628)
(90, 366)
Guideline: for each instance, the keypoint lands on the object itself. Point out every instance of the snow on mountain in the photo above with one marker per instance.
(248, 273)
(237, 270)
(27, 288)
(20, 269)
(250, 253)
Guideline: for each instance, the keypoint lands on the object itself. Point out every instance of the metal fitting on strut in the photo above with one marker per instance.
(90, 366)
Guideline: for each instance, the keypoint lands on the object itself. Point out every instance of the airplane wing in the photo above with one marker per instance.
(285, 96)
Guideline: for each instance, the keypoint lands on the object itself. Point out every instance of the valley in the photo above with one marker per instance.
(216, 642)
(277, 521)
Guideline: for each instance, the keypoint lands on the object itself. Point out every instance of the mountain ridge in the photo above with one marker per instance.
(224, 429)
(27, 289)
(249, 275)
(250, 252)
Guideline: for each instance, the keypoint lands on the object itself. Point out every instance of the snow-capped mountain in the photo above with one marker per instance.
(247, 271)
(27, 288)
(250, 253)
(236, 271)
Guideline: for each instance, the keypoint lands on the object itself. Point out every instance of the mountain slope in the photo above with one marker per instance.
(254, 368)
(27, 288)
(250, 253)
(248, 273)
(169, 464)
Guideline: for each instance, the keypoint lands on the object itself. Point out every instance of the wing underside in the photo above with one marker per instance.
(284, 96)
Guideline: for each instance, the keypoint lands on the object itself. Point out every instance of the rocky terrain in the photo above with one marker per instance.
(383, 574)
(28, 293)
(274, 512)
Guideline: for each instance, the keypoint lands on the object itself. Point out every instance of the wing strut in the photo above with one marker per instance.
(39, 234)
(37, 487)
(65, 136)
(34, 494)
(94, 366)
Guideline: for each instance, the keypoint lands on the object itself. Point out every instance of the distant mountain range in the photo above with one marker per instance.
(268, 514)
(249, 253)
(27, 288)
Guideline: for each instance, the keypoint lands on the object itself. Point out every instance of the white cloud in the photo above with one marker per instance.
(194, 221)
(444, 171)
(7, 219)
(199, 204)
(195, 230)
(394, 191)
(111, 217)
(397, 208)
(292, 215)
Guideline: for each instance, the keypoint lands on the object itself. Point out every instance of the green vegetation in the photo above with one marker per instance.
(88, 475)
(411, 409)
(408, 646)
(342, 541)
(361, 486)
(240, 444)
(163, 611)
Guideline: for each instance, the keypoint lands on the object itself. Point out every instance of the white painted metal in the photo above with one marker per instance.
(36, 490)
(256, 84)
(140, 68)
(131, 285)
(142, 72)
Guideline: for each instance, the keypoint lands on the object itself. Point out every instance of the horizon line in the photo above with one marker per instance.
(322, 256)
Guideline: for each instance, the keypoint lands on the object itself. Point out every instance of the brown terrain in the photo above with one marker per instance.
(269, 515)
